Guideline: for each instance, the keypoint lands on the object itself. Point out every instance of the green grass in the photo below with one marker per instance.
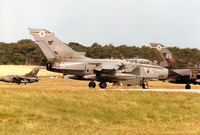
(56, 107)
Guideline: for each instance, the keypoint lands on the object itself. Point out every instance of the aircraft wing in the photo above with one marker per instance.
(198, 80)
(28, 78)
(25, 79)
(108, 68)
(181, 72)
(16, 77)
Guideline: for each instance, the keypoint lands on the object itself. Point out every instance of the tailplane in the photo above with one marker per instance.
(53, 48)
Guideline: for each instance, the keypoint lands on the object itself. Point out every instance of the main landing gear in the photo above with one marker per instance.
(92, 84)
(102, 85)
(187, 86)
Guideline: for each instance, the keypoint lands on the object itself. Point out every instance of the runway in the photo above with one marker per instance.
(158, 90)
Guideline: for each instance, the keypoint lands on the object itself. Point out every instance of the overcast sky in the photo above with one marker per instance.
(130, 22)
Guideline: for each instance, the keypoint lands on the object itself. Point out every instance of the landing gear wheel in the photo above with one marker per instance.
(102, 85)
(92, 84)
(144, 85)
(187, 86)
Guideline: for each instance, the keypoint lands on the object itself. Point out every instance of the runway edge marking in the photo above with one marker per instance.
(158, 90)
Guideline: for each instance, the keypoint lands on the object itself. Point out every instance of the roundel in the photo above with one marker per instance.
(159, 47)
(42, 33)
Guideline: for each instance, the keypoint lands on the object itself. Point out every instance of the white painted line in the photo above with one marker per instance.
(159, 90)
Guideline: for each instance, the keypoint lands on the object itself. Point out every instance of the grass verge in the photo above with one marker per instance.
(62, 106)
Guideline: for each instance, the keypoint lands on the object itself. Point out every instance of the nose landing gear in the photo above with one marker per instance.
(144, 84)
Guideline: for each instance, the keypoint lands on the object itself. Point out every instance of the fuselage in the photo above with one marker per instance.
(19, 79)
(85, 70)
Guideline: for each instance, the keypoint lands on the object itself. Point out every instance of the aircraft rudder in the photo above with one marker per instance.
(33, 73)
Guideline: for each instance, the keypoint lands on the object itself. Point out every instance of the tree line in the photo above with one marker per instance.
(26, 52)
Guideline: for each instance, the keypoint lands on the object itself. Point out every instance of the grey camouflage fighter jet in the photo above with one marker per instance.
(27, 78)
(63, 59)
(179, 71)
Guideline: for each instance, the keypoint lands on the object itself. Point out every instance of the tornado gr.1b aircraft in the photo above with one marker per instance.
(179, 71)
(63, 59)
(27, 78)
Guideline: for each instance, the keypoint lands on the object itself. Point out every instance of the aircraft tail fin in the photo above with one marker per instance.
(33, 73)
(53, 48)
(166, 58)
